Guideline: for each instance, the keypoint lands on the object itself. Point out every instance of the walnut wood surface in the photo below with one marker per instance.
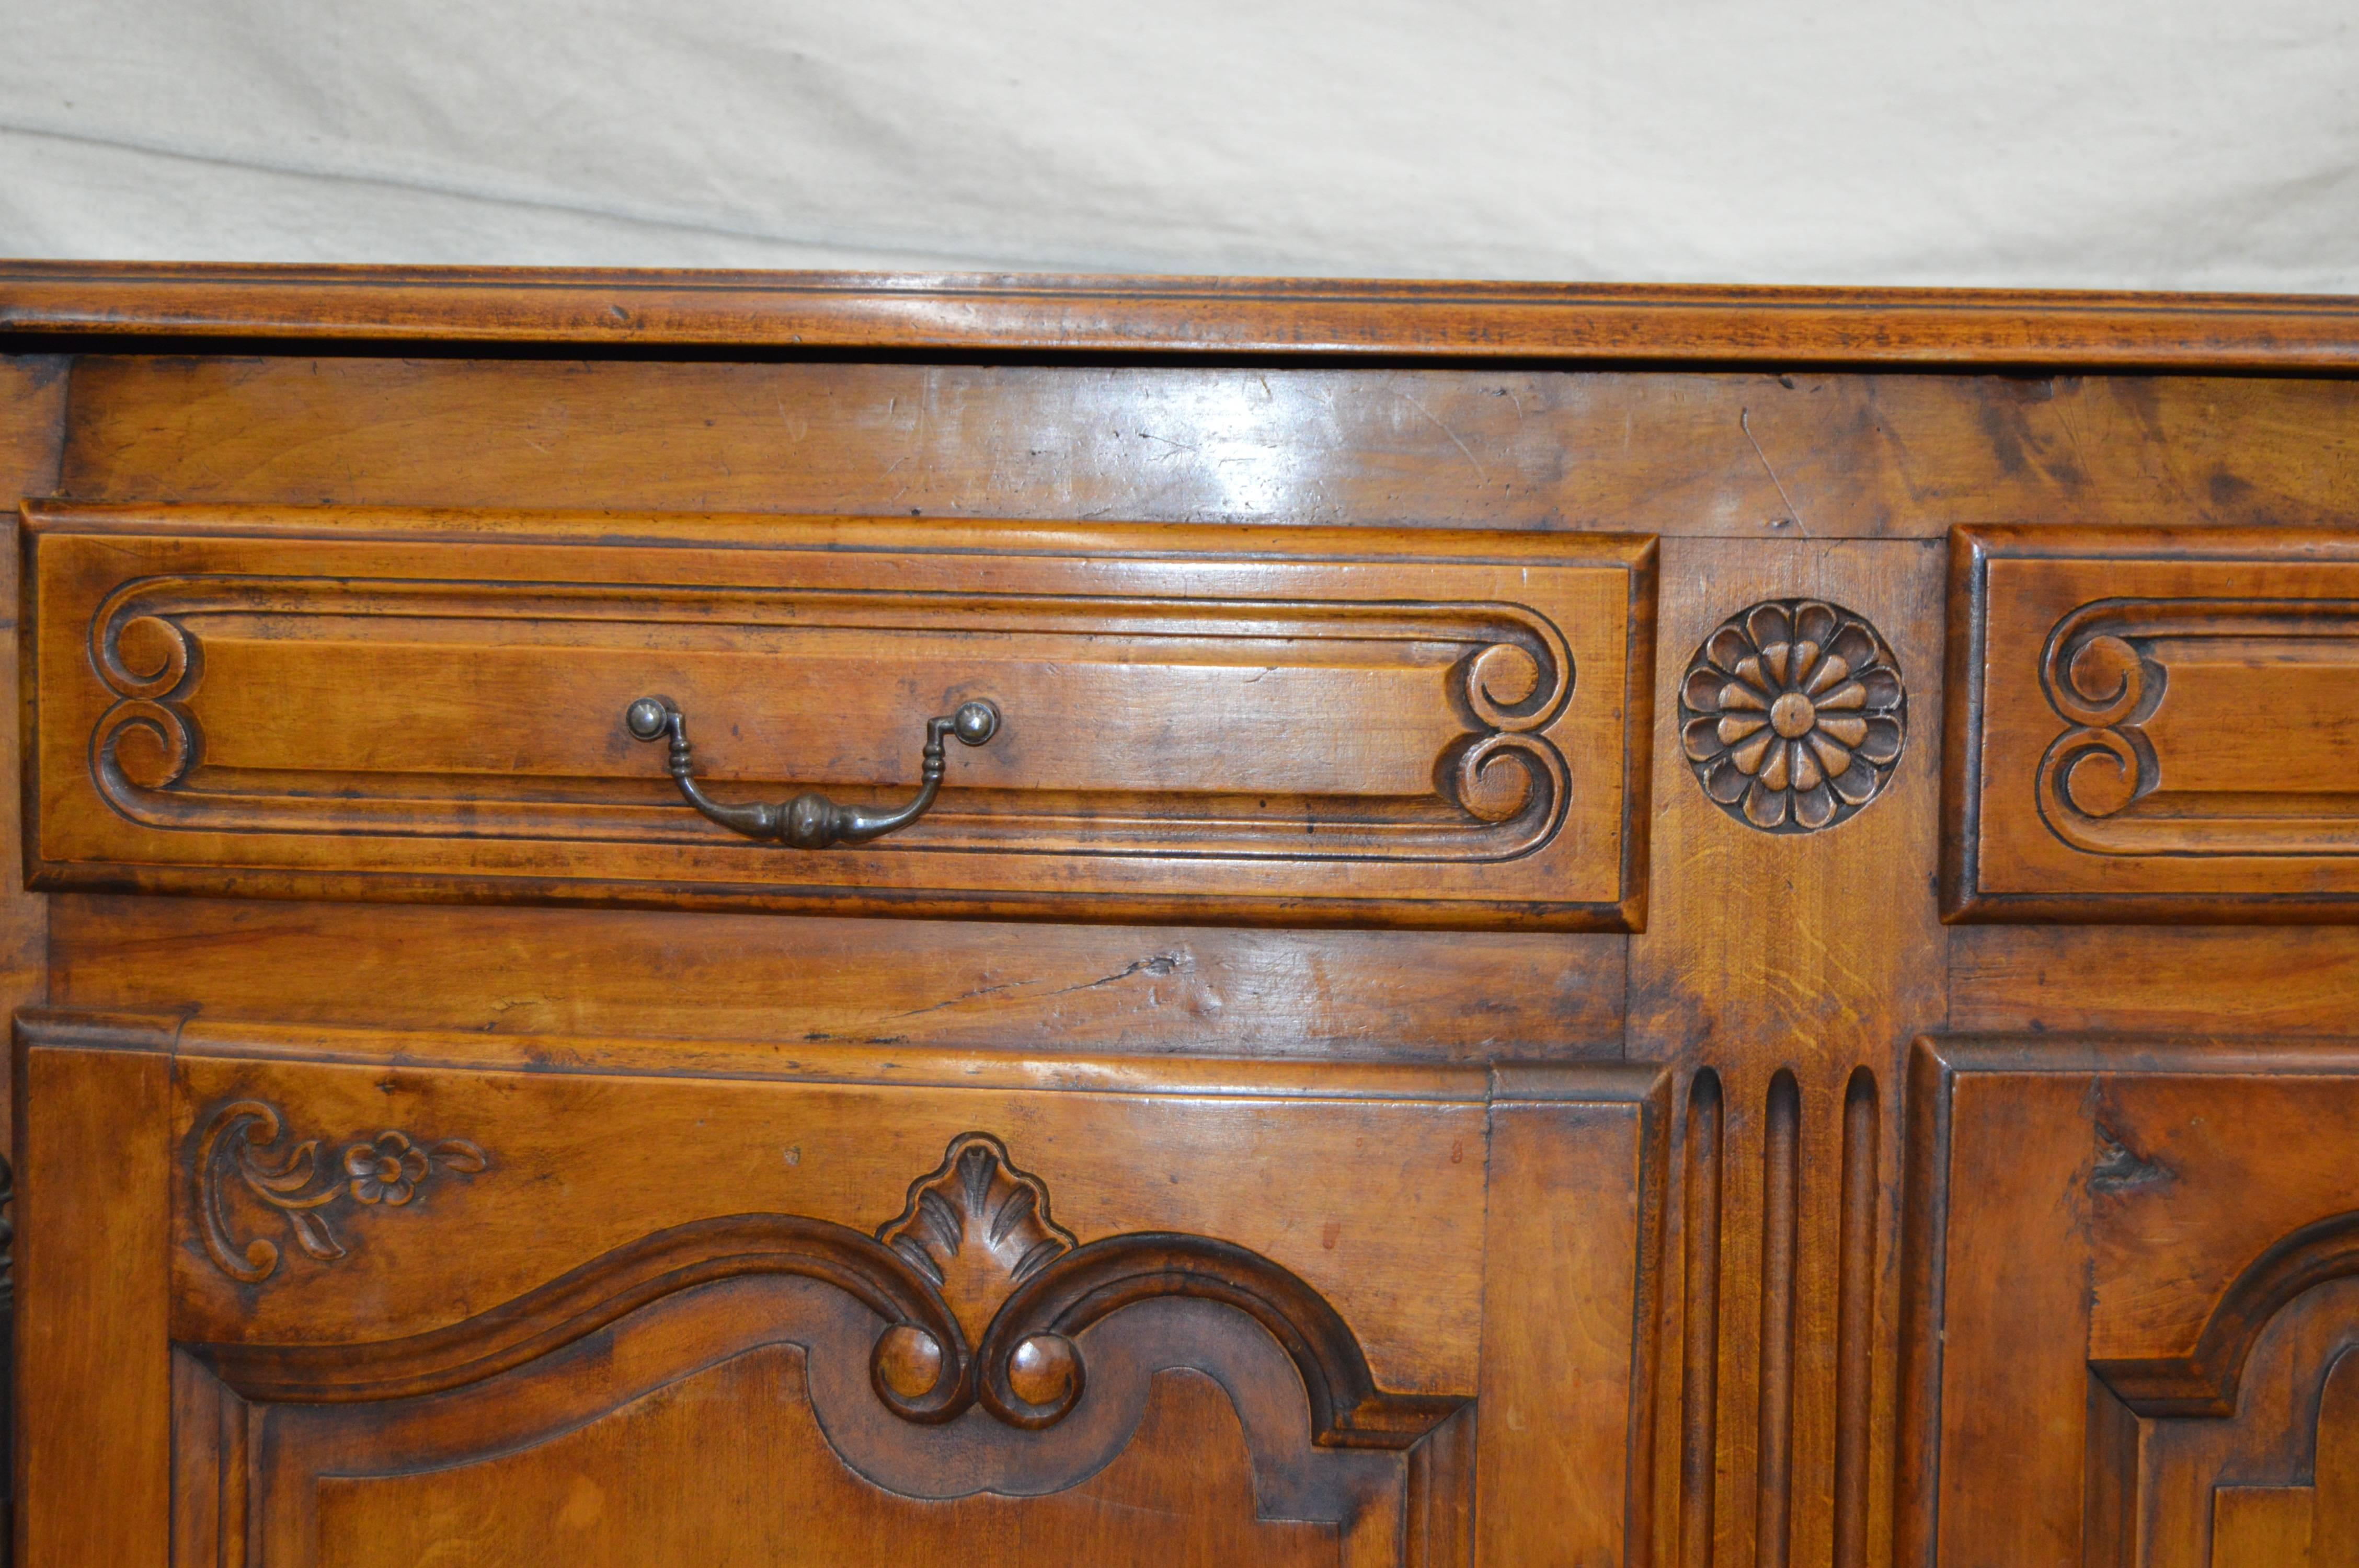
(1181, 315)
(94, 1300)
(1305, 727)
(2152, 724)
(589, 1496)
(32, 421)
(442, 1269)
(1802, 961)
(1614, 1222)
(2142, 1246)
(1760, 455)
(551, 973)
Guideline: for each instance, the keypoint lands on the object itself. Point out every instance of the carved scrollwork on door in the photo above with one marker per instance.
(236, 1153)
(973, 1242)
(147, 740)
(2101, 784)
(1514, 688)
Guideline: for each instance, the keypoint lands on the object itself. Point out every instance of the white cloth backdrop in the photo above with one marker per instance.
(2188, 143)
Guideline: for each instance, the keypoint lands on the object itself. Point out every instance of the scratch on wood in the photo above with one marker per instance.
(1745, 423)
(1467, 451)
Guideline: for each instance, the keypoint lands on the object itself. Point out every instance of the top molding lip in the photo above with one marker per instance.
(115, 303)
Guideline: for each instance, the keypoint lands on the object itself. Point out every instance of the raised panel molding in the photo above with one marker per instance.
(2129, 1265)
(2299, 1527)
(2153, 725)
(1292, 726)
(926, 1366)
(950, 1294)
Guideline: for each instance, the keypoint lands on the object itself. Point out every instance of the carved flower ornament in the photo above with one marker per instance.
(386, 1170)
(1793, 715)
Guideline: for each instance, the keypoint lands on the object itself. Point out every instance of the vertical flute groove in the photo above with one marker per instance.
(1700, 1394)
(1781, 1208)
(1856, 1320)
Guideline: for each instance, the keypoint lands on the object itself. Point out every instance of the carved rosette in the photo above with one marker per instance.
(1793, 715)
(236, 1153)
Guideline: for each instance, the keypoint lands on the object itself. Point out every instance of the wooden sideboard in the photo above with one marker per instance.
(700, 918)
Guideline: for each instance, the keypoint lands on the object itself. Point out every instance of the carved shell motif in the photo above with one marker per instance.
(1793, 715)
(976, 1226)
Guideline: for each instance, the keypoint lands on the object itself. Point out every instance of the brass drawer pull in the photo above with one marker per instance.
(810, 821)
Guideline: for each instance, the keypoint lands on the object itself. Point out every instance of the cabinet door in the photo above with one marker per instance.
(301, 1297)
(2134, 1274)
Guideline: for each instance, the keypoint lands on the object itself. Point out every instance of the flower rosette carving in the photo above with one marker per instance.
(1793, 715)
(237, 1146)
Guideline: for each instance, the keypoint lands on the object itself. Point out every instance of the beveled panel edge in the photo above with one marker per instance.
(1971, 548)
(1936, 1064)
(844, 533)
(185, 1032)
(2150, 1054)
(793, 1061)
(1137, 316)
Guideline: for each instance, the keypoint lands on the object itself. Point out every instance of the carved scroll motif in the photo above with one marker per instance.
(388, 1170)
(1513, 677)
(148, 663)
(974, 1242)
(2105, 670)
(1517, 688)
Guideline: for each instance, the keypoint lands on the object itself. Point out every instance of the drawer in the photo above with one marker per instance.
(1237, 725)
(2157, 725)
(359, 1299)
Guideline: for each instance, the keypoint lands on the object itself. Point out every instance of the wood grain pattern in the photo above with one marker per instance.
(93, 1373)
(635, 1156)
(590, 973)
(2168, 1207)
(2265, 1478)
(2223, 1198)
(1181, 1493)
(1294, 727)
(2299, 1526)
(1722, 454)
(32, 434)
(1776, 962)
(2251, 981)
(1160, 1237)
(1997, 1205)
(1567, 1454)
(952, 311)
(2152, 726)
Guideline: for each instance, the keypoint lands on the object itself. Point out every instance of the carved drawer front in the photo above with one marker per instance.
(1299, 726)
(2154, 724)
(469, 1308)
(2135, 1280)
